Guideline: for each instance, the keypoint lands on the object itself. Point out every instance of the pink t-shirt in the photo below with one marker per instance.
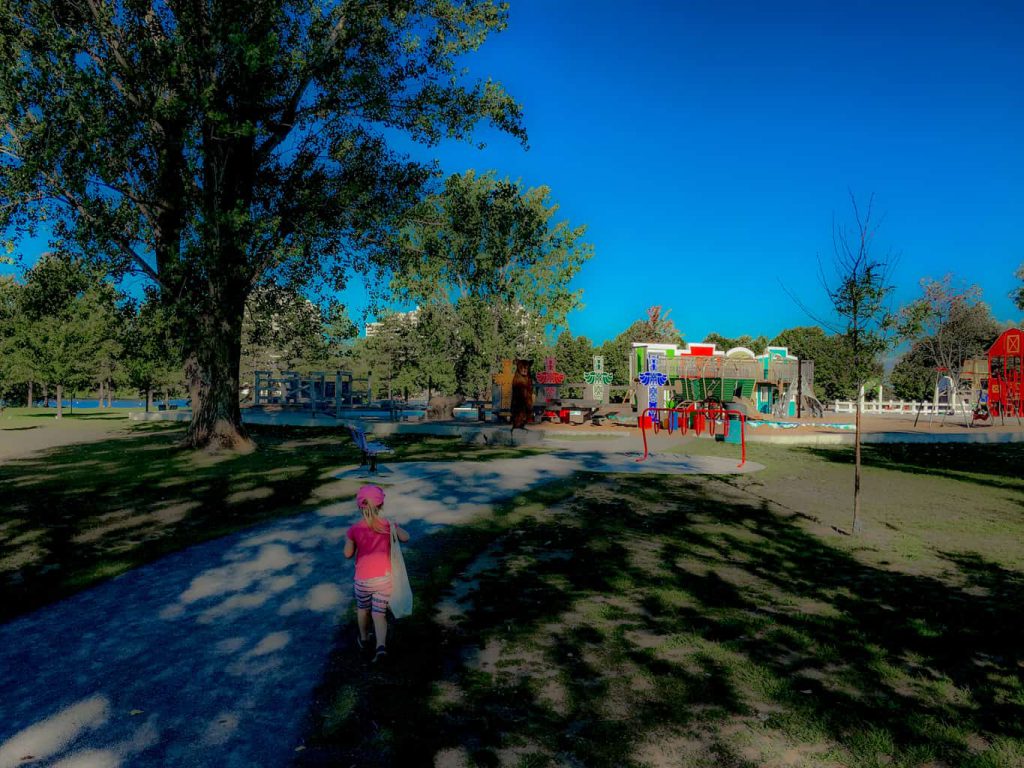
(373, 550)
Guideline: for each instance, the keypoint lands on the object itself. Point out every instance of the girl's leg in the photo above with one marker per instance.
(380, 628)
(363, 620)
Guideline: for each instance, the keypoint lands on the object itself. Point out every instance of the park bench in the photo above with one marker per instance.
(369, 450)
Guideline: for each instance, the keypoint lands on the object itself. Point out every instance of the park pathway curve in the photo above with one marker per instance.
(210, 656)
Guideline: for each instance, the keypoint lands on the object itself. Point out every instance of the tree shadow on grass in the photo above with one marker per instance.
(77, 514)
(655, 619)
(997, 465)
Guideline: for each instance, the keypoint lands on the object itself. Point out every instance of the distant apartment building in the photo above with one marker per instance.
(373, 329)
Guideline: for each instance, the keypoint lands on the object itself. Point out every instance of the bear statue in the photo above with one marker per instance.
(522, 394)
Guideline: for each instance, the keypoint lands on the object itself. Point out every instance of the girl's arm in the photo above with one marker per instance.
(350, 548)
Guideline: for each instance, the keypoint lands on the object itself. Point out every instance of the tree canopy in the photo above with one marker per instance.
(216, 150)
(657, 328)
(63, 325)
(948, 325)
(754, 343)
(490, 265)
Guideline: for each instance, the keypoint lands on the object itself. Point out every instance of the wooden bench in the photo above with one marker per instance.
(370, 451)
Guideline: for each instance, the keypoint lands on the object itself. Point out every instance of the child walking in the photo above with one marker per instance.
(370, 541)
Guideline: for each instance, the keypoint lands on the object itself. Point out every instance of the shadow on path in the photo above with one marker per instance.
(209, 657)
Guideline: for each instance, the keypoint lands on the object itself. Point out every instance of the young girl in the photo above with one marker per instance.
(370, 541)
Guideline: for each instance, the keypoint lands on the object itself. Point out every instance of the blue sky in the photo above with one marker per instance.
(708, 145)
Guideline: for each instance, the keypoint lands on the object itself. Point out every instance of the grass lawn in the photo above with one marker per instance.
(74, 514)
(700, 621)
(610, 621)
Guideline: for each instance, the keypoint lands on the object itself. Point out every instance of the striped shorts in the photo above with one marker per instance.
(373, 594)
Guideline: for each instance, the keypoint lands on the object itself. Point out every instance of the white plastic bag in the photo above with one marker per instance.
(401, 591)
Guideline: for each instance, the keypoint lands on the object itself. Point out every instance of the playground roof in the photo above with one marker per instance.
(1008, 344)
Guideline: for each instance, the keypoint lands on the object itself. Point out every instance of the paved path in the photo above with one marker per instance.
(209, 657)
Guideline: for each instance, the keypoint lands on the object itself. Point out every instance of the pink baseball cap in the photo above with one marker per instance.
(370, 494)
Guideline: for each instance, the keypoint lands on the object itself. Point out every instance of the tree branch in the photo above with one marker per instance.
(122, 243)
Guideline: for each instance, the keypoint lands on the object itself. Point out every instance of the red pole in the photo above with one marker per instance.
(640, 422)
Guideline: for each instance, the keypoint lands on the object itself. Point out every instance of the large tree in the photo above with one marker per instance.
(658, 328)
(217, 146)
(574, 356)
(393, 353)
(754, 343)
(914, 376)
(948, 325)
(284, 329)
(66, 319)
(151, 353)
(490, 257)
(833, 376)
(13, 369)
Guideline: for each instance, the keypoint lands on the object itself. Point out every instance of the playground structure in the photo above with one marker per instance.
(699, 418)
(1004, 374)
(774, 382)
(549, 388)
(990, 385)
(318, 391)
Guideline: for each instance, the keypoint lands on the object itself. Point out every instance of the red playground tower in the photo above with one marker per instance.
(1004, 374)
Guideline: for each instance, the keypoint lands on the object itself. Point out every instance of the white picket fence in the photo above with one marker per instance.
(896, 407)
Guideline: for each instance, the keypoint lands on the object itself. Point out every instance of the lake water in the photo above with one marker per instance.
(116, 403)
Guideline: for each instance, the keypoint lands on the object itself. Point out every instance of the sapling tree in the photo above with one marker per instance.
(859, 292)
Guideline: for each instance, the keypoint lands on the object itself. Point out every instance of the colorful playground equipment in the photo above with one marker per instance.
(549, 387)
(699, 417)
(774, 382)
(1004, 374)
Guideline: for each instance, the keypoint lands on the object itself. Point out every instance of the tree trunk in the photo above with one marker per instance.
(216, 416)
(856, 471)
(101, 400)
(60, 401)
(31, 396)
(149, 399)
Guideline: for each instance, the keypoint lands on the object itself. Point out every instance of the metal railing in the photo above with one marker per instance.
(893, 407)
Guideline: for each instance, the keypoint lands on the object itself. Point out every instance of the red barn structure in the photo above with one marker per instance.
(1004, 374)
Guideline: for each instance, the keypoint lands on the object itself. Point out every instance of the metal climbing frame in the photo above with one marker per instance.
(317, 391)
(704, 417)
